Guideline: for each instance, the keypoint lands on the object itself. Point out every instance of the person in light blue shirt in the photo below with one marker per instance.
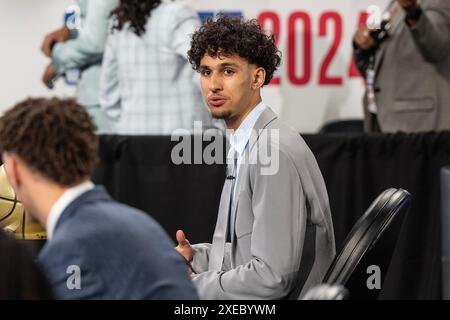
(83, 49)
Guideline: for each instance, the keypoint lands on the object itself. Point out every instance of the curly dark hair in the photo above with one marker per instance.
(228, 36)
(135, 12)
(55, 137)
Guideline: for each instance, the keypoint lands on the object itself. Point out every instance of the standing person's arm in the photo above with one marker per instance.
(363, 43)
(110, 98)
(61, 35)
(430, 27)
(88, 47)
(186, 22)
(196, 256)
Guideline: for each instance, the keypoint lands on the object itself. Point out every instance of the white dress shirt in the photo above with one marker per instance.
(239, 139)
(58, 207)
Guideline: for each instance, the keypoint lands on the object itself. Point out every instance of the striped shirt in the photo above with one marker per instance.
(148, 85)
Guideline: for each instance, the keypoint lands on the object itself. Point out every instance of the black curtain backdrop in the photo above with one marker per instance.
(356, 168)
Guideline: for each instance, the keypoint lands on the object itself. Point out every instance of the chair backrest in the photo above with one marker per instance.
(366, 233)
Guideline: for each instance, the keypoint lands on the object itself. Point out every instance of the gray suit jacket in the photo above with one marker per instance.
(283, 240)
(412, 67)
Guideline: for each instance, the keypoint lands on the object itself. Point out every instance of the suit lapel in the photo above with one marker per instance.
(396, 23)
(263, 121)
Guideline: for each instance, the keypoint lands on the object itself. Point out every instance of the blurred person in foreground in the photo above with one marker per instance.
(97, 248)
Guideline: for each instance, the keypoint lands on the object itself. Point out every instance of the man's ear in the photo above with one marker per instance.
(259, 77)
(12, 169)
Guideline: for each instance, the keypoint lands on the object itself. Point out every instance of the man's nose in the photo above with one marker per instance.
(215, 84)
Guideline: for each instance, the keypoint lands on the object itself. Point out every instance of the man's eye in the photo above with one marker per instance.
(205, 73)
(228, 72)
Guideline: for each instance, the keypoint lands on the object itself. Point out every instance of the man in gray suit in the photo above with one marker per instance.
(274, 205)
(407, 68)
(81, 47)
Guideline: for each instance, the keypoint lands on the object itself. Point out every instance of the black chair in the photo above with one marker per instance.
(378, 227)
(343, 126)
(445, 231)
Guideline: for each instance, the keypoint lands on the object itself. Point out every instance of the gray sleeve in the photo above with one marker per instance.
(201, 257)
(87, 48)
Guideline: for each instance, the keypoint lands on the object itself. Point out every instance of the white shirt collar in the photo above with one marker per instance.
(239, 139)
(66, 198)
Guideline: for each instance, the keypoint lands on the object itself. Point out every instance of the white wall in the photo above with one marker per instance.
(23, 25)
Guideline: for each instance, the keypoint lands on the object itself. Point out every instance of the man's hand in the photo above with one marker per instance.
(407, 4)
(59, 35)
(363, 39)
(49, 75)
(185, 249)
(412, 11)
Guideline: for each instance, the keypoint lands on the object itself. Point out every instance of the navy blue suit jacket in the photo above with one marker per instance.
(121, 253)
